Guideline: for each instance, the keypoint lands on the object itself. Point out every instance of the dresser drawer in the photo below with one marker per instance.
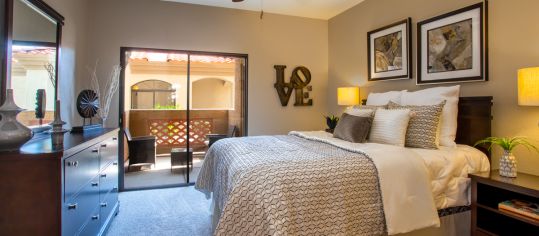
(78, 210)
(108, 179)
(93, 224)
(79, 170)
(107, 205)
(108, 152)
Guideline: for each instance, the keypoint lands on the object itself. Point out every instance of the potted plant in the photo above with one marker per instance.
(508, 162)
(331, 121)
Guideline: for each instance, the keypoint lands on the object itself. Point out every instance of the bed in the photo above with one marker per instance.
(309, 183)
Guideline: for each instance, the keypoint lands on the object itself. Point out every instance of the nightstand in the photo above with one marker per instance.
(489, 189)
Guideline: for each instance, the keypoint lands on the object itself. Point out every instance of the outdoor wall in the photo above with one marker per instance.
(178, 80)
(139, 123)
(276, 39)
(513, 45)
(213, 93)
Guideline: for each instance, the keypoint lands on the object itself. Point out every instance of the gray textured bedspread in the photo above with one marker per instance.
(287, 185)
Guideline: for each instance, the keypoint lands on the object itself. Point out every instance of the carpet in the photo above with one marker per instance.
(174, 211)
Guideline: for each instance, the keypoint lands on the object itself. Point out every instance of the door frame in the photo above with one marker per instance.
(121, 100)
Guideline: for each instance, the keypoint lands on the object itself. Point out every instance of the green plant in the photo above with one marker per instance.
(508, 144)
(332, 121)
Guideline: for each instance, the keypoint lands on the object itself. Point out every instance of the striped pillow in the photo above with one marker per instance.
(389, 126)
(423, 128)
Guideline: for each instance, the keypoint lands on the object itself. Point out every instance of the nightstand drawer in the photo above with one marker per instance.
(80, 169)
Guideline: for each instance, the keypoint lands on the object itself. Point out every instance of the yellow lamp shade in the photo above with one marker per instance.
(528, 86)
(348, 96)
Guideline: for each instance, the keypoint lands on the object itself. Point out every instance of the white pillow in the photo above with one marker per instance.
(433, 96)
(389, 126)
(360, 112)
(381, 99)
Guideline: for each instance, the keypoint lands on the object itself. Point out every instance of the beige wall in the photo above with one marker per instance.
(276, 39)
(71, 69)
(513, 41)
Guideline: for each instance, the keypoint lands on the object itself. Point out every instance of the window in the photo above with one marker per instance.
(153, 95)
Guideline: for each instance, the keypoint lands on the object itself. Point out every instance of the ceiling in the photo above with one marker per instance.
(319, 9)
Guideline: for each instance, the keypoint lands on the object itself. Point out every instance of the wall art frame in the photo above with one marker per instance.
(453, 47)
(389, 51)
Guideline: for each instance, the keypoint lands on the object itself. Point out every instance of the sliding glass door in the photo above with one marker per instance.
(183, 102)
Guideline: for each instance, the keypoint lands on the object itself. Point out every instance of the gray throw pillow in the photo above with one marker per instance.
(353, 128)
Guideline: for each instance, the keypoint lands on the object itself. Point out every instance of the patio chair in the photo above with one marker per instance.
(141, 150)
(212, 138)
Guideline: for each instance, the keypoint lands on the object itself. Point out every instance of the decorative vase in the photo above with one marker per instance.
(14, 134)
(508, 165)
(57, 132)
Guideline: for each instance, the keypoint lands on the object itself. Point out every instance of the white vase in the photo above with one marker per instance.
(508, 165)
(14, 134)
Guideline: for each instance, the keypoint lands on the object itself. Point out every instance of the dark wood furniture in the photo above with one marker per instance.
(489, 189)
(212, 138)
(180, 156)
(69, 190)
(474, 121)
(141, 149)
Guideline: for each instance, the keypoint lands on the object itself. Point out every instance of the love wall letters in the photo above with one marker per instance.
(300, 79)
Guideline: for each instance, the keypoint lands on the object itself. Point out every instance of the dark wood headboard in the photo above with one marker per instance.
(474, 120)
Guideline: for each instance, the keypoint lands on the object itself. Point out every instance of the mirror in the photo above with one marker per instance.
(35, 38)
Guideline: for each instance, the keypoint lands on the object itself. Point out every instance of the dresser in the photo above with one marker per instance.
(68, 190)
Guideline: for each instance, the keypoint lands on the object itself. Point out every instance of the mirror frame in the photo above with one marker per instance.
(6, 33)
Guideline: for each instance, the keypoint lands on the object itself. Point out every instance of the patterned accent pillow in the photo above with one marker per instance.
(423, 128)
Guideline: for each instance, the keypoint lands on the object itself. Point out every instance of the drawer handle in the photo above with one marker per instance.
(114, 138)
(115, 163)
(72, 206)
(95, 184)
(96, 217)
(104, 204)
(95, 150)
(104, 145)
(73, 163)
(103, 175)
(115, 188)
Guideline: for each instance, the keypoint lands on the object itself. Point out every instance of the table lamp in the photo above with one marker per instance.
(348, 96)
(528, 86)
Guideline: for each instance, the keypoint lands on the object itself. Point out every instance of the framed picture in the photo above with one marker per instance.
(452, 47)
(389, 54)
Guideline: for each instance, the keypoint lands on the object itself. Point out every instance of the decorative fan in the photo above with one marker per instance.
(87, 103)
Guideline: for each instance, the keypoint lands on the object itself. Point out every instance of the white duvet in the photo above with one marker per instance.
(416, 182)
(449, 169)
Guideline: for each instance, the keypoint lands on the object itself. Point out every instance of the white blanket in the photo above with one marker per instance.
(448, 169)
(404, 181)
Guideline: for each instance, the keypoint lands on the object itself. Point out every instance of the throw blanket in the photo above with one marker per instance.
(303, 184)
